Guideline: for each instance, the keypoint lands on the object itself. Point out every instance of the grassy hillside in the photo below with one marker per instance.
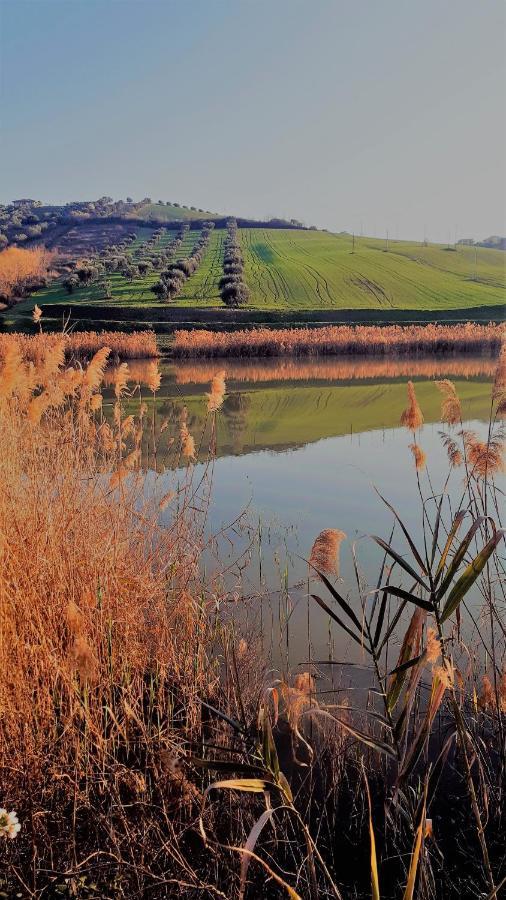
(291, 273)
(169, 212)
(301, 270)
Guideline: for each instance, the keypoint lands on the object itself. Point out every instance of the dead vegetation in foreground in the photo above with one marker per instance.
(146, 749)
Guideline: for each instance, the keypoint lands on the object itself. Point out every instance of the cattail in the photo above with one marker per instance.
(118, 475)
(325, 551)
(73, 616)
(304, 682)
(502, 692)
(120, 379)
(96, 402)
(217, 393)
(153, 377)
(451, 411)
(500, 374)
(37, 407)
(84, 660)
(166, 499)
(433, 648)
(94, 372)
(106, 437)
(12, 370)
(486, 699)
(455, 457)
(132, 459)
(445, 674)
(419, 456)
(242, 648)
(127, 426)
(188, 448)
(37, 314)
(412, 417)
(485, 457)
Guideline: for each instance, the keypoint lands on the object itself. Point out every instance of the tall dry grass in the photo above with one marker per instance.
(342, 339)
(145, 749)
(106, 645)
(82, 345)
(20, 267)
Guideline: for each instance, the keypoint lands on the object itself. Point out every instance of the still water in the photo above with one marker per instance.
(301, 446)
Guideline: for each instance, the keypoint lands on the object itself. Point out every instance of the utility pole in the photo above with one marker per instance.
(353, 243)
(386, 242)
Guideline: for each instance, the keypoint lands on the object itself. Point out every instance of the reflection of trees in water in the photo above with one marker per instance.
(235, 410)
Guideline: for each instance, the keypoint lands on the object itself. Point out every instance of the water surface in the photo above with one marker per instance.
(300, 446)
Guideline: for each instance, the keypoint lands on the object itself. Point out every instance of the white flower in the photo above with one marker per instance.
(9, 825)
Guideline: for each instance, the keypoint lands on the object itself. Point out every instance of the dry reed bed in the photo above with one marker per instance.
(19, 268)
(339, 339)
(82, 345)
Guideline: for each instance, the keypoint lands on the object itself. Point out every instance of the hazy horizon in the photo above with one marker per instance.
(367, 118)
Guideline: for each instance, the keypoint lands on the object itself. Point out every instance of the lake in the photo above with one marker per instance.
(300, 446)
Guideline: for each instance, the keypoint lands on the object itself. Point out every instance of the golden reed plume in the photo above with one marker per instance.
(484, 457)
(324, 555)
(217, 393)
(412, 417)
(451, 411)
(418, 455)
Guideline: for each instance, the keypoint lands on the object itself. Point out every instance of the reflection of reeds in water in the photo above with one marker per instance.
(329, 370)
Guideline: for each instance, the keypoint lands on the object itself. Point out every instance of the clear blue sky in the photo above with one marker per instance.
(375, 114)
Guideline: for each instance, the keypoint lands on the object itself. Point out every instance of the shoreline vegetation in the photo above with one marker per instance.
(346, 340)
(149, 750)
(80, 345)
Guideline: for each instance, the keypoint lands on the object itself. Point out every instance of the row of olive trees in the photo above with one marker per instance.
(111, 259)
(233, 290)
(173, 278)
(116, 258)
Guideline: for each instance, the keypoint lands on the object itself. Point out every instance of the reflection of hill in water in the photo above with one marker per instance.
(286, 404)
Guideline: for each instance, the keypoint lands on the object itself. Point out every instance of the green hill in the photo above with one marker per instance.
(170, 212)
(307, 270)
(293, 275)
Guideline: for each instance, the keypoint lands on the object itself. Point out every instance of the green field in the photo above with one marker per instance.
(292, 272)
(304, 270)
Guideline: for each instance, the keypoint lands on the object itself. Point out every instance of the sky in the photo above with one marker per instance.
(369, 116)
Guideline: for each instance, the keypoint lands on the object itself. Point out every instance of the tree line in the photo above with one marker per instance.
(233, 291)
